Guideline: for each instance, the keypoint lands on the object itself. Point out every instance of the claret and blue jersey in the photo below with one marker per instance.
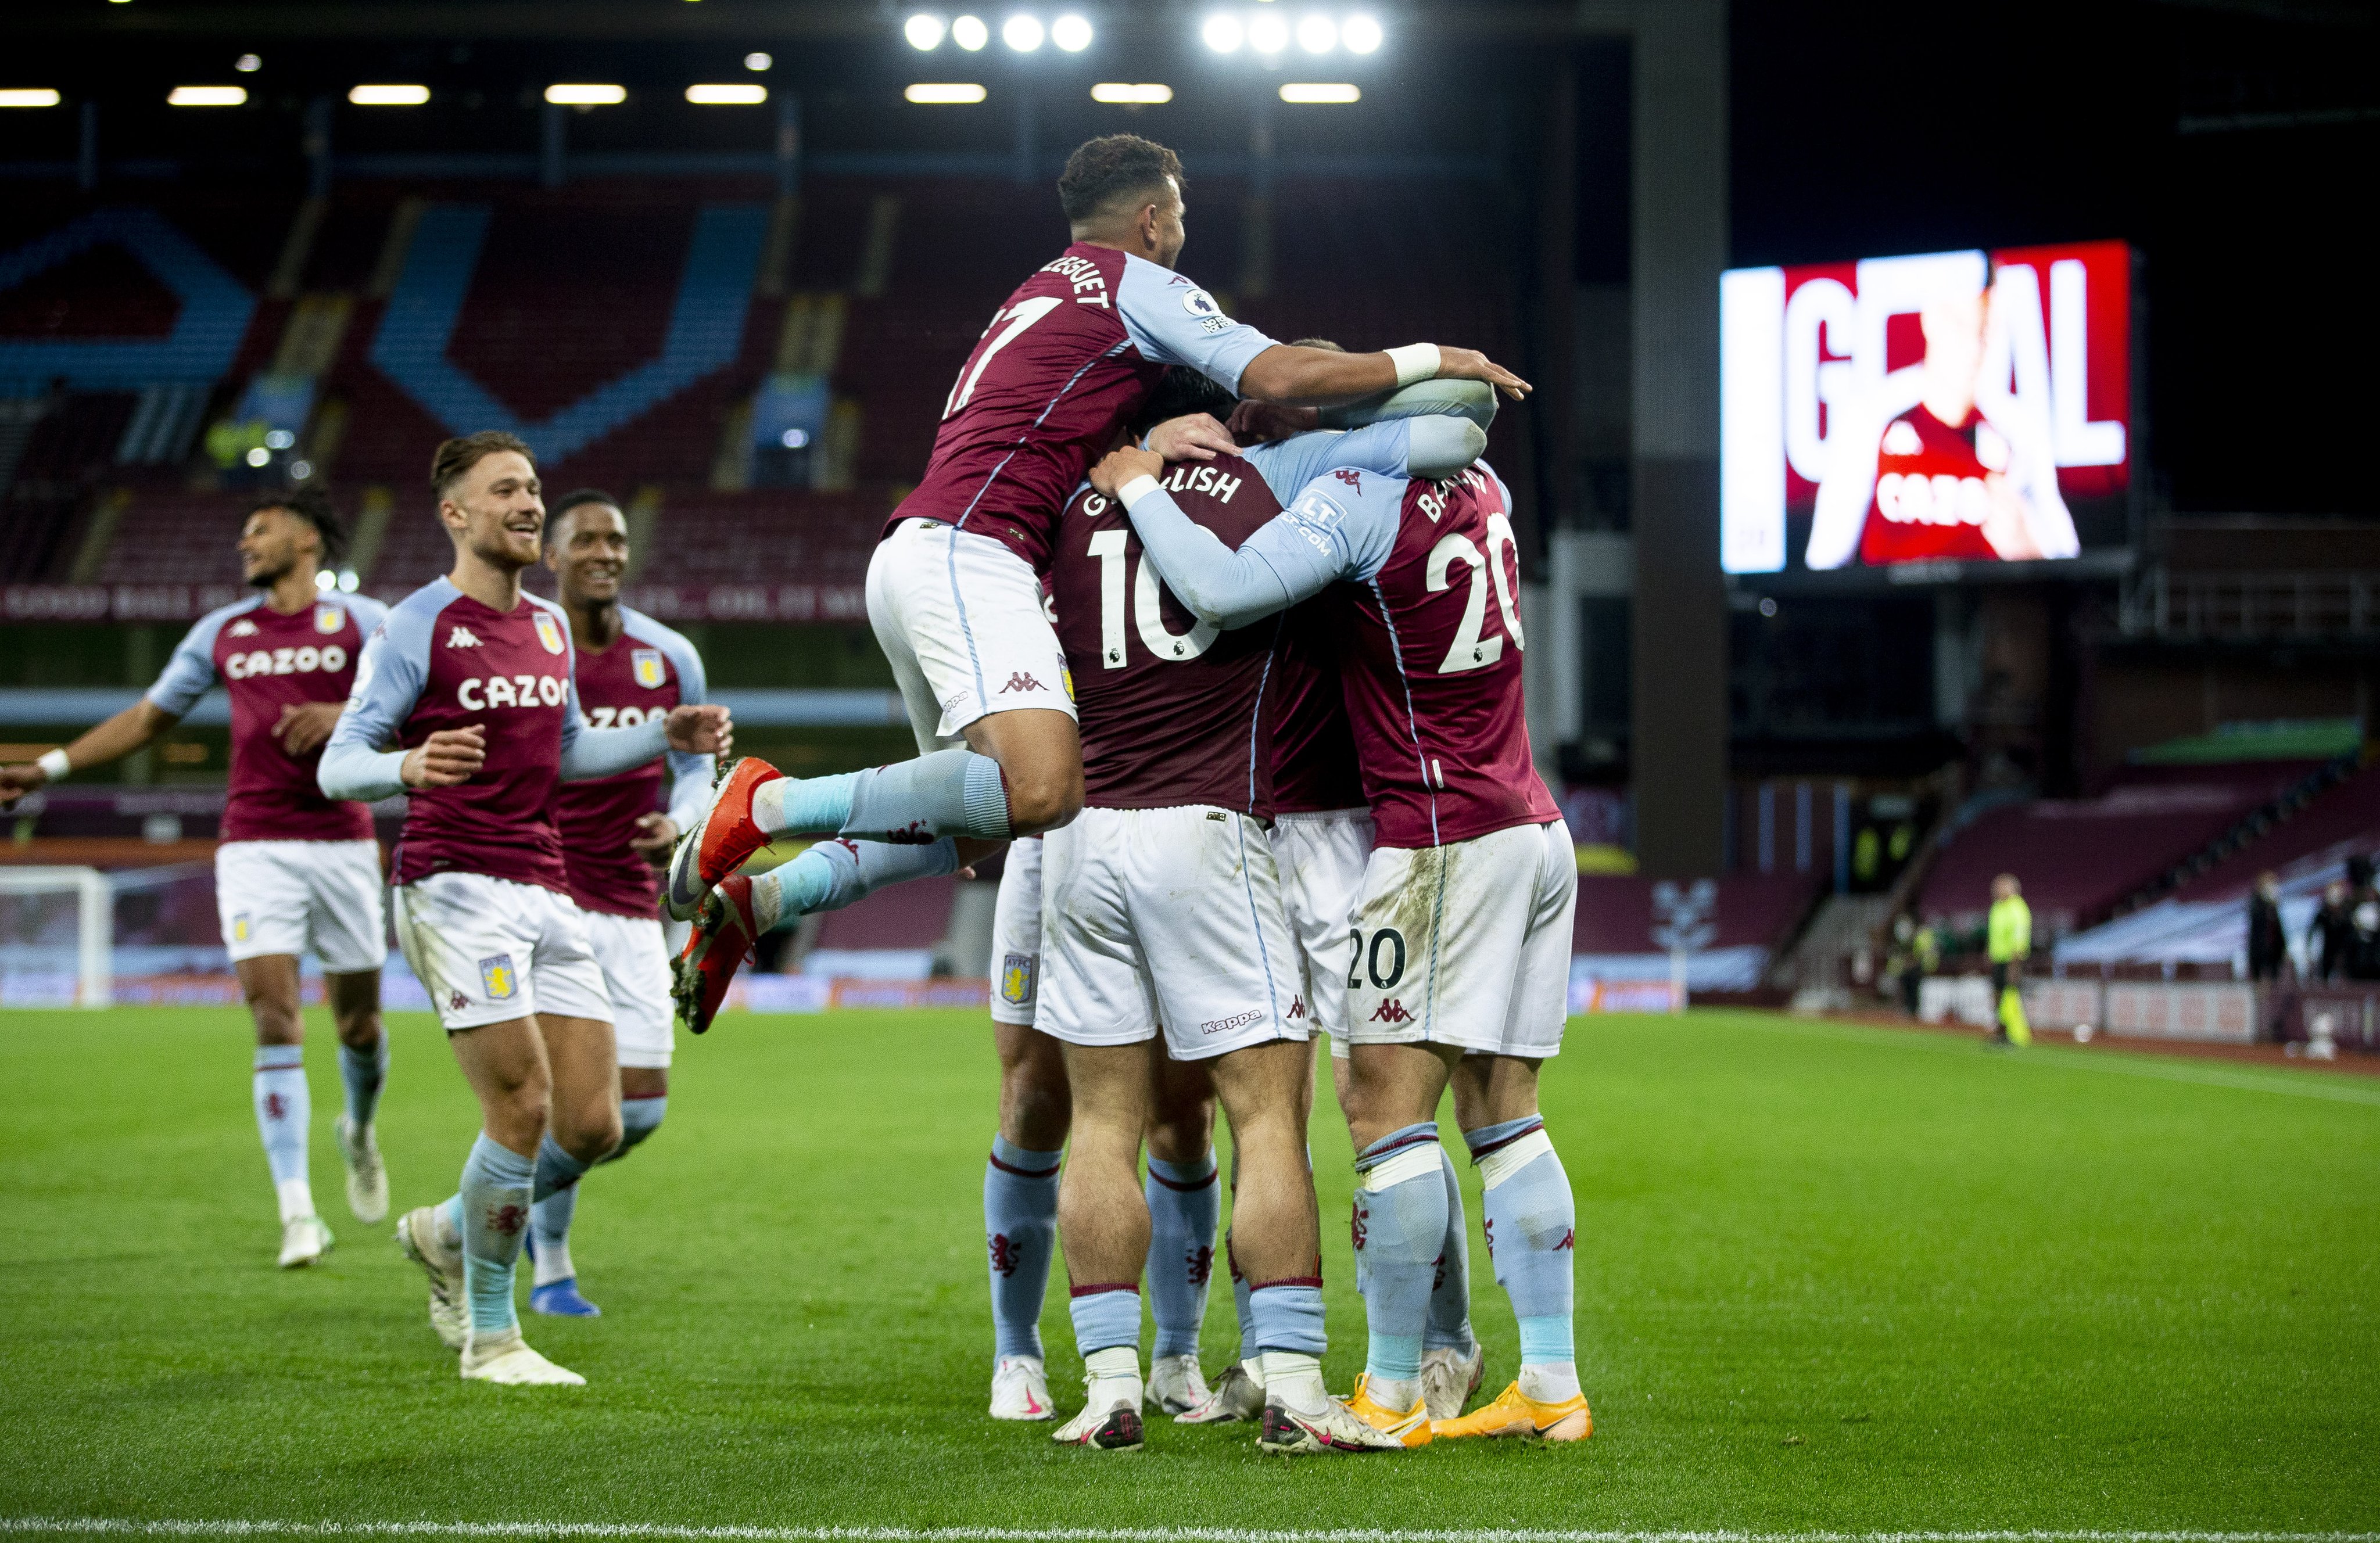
(647, 670)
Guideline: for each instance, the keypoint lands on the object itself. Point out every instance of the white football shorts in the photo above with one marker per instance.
(960, 617)
(1467, 945)
(1016, 934)
(1167, 918)
(1321, 857)
(490, 950)
(636, 963)
(289, 897)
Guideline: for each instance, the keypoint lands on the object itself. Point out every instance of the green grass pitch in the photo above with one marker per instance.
(1829, 1278)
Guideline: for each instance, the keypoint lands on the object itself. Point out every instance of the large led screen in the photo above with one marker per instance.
(1955, 406)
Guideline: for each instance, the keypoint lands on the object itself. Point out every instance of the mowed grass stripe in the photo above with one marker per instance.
(1831, 1280)
(115, 1526)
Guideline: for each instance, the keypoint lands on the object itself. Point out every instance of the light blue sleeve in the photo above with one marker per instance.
(1171, 320)
(367, 612)
(390, 674)
(1413, 447)
(192, 668)
(1340, 527)
(690, 775)
(587, 754)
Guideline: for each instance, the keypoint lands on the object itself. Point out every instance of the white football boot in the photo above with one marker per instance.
(1330, 1428)
(367, 1177)
(421, 1233)
(304, 1240)
(1175, 1385)
(1107, 1422)
(1236, 1395)
(505, 1358)
(1447, 1380)
(1020, 1390)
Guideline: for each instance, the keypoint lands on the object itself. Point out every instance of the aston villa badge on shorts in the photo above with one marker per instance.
(1016, 980)
(648, 665)
(496, 974)
(549, 632)
(329, 618)
(239, 928)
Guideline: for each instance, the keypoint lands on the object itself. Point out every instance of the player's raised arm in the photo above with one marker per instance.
(1317, 377)
(1325, 535)
(186, 676)
(689, 730)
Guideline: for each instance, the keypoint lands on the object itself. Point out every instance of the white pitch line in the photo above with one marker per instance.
(672, 1534)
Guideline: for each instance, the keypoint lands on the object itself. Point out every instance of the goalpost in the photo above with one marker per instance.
(95, 919)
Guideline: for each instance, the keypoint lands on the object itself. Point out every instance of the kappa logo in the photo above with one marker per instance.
(456, 1002)
(1350, 476)
(1020, 681)
(1004, 1254)
(1570, 1241)
(244, 628)
(462, 637)
(1488, 1226)
(1225, 1026)
(1297, 1007)
(1391, 1011)
(1355, 1229)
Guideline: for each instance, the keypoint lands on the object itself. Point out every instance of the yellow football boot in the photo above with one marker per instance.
(1412, 1427)
(1515, 1413)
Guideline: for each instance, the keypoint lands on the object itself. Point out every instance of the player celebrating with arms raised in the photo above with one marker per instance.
(294, 869)
(630, 669)
(471, 680)
(953, 590)
(1464, 928)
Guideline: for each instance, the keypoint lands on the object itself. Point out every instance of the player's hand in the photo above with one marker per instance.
(1470, 364)
(656, 835)
(1262, 422)
(1193, 437)
(701, 729)
(18, 781)
(304, 726)
(445, 759)
(1119, 467)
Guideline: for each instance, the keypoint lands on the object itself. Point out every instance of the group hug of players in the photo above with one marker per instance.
(1260, 706)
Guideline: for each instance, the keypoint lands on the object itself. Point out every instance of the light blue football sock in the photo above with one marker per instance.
(1289, 1316)
(949, 792)
(1399, 1230)
(1449, 1291)
(640, 1115)
(497, 1184)
(1020, 1234)
(1106, 1318)
(1533, 1225)
(1184, 1200)
(833, 874)
(363, 1072)
(803, 805)
(1243, 1310)
(555, 1169)
(285, 1112)
(551, 1215)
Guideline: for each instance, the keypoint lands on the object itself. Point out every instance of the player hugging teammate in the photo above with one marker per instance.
(1162, 918)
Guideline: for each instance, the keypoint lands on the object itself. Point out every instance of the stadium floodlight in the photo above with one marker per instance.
(349, 581)
(735, 94)
(1268, 33)
(207, 96)
(325, 579)
(30, 96)
(248, 64)
(1124, 91)
(279, 439)
(1315, 34)
(794, 439)
(1223, 33)
(924, 32)
(970, 33)
(298, 472)
(1070, 32)
(586, 94)
(930, 93)
(388, 97)
(1319, 93)
(1361, 33)
(1022, 34)
(756, 62)
(258, 456)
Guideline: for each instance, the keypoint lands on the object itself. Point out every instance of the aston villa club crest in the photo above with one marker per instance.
(648, 665)
(497, 978)
(1016, 978)
(329, 618)
(549, 632)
